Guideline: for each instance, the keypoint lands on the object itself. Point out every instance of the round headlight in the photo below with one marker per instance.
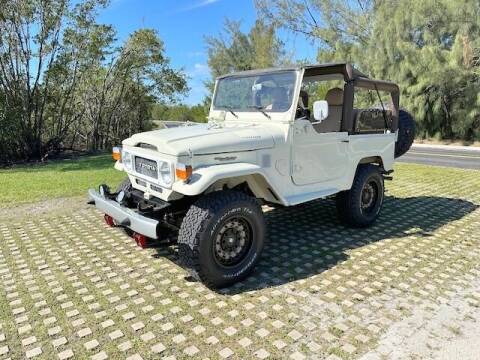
(127, 160)
(165, 173)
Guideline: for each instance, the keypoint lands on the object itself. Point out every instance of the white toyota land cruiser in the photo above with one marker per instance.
(277, 136)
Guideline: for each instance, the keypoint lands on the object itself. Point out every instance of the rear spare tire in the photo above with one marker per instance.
(221, 237)
(406, 133)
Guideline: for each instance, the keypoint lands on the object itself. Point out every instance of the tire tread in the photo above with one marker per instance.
(345, 200)
(124, 185)
(406, 133)
(194, 224)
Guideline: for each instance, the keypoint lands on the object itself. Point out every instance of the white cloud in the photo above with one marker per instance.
(198, 5)
(193, 54)
(199, 70)
(206, 2)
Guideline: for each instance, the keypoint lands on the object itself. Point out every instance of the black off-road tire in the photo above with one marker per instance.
(125, 185)
(406, 133)
(349, 203)
(200, 231)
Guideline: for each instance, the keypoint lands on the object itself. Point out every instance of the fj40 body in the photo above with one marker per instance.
(280, 137)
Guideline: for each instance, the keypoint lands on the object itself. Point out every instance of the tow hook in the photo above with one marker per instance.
(109, 220)
(141, 240)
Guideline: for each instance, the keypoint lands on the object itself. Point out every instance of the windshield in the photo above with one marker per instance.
(271, 92)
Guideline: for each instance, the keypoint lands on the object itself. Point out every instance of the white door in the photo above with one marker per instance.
(318, 157)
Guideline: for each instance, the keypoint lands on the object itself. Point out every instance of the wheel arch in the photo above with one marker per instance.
(253, 184)
(375, 160)
(241, 176)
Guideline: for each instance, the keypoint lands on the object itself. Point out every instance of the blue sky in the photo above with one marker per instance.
(183, 24)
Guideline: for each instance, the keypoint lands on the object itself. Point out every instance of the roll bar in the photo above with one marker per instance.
(354, 78)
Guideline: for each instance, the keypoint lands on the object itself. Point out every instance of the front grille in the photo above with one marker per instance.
(146, 167)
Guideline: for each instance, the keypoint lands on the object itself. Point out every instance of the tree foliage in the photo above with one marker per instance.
(65, 83)
(233, 50)
(180, 112)
(431, 48)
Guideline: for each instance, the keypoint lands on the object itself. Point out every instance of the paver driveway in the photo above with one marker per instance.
(72, 287)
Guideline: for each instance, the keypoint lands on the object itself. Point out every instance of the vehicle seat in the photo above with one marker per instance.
(303, 110)
(333, 122)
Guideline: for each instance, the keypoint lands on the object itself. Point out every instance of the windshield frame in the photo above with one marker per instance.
(253, 109)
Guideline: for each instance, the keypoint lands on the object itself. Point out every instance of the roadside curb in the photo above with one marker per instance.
(446, 147)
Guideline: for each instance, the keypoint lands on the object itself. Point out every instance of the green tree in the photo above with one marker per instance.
(65, 84)
(430, 48)
(179, 112)
(30, 33)
(233, 50)
(432, 58)
(119, 95)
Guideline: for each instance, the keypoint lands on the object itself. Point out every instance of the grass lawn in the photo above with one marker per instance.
(69, 178)
(73, 287)
(65, 178)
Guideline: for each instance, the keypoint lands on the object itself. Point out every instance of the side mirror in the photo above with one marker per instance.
(320, 110)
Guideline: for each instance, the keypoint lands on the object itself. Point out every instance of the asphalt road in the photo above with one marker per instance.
(459, 158)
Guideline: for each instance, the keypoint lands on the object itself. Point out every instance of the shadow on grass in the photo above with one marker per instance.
(308, 239)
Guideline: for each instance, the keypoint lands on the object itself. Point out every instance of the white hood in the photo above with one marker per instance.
(203, 139)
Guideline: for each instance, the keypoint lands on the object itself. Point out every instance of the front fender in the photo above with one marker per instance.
(203, 178)
(119, 166)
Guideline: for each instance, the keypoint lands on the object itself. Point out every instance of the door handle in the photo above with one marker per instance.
(345, 141)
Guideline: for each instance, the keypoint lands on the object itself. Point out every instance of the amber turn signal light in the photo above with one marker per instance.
(117, 153)
(183, 172)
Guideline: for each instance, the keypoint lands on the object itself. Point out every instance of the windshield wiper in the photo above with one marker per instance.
(261, 109)
(231, 111)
